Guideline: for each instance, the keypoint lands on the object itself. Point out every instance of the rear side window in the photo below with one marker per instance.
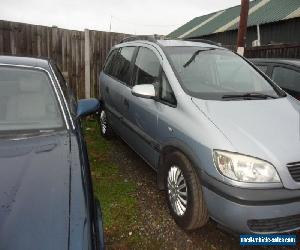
(109, 62)
(118, 64)
(124, 61)
(147, 67)
(287, 78)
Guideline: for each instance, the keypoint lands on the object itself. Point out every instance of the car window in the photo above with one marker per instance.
(166, 92)
(109, 62)
(147, 67)
(124, 61)
(120, 64)
(27, 100)
(263, 68)
(211, 73)
(61, 79)
(67, 91)
(286, 78)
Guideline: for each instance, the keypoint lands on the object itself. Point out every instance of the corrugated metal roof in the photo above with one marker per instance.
(190, 25)
(197, 27)
(260, 12)
(233, 24)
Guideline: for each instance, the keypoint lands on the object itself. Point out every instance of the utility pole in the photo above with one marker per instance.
(242, 33)
(110, 24)
(258, 35)
(87, 63)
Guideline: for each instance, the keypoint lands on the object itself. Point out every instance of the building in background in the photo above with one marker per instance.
(269, 22)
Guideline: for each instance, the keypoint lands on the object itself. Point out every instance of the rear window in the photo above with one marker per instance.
(27, 100)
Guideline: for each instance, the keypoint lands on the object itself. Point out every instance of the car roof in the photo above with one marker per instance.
(172, 43)
(288, 61)
(180, 43)
(25, 61)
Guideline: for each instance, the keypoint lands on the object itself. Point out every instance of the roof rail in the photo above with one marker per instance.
(150, 38)
(202, 41)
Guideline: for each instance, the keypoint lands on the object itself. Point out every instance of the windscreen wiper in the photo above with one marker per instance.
(196, 53)
(253, 95)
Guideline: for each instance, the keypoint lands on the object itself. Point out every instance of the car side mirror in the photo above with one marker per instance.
(87, 107)
(144, 91)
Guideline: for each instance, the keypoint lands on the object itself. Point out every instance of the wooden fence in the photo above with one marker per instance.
(271, 51)
(79, 53)
(82, 53)
(274, 51)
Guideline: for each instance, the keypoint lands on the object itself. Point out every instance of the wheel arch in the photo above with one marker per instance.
(172, 146)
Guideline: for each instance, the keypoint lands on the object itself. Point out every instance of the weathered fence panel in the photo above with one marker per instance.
(271, 51)
(65, 47)
(68, 49)
(100, 44)
(274, 51)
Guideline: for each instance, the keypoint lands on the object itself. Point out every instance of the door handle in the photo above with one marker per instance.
(126, 103)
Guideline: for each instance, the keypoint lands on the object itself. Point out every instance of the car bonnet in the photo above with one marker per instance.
(266, 129)
(34, 192)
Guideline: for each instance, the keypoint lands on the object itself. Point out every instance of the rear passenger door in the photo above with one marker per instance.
(117, 75)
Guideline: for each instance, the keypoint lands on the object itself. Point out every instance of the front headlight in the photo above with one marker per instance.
(244, 168)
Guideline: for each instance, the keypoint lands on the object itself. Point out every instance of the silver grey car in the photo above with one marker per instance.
(222, 137)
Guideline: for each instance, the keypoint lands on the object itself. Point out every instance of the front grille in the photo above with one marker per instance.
(294, 169)
(280, 224)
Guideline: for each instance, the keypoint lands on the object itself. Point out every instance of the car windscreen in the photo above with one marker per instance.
(27, 100)
(212, 73)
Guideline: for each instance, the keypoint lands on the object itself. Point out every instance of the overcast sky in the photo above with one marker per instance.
(126, 16)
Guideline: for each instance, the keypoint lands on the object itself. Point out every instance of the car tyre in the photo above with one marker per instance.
(105, 128)
(184, 192)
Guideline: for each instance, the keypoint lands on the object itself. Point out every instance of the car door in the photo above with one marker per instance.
(287, 78)
(140, 114)
(117, 75)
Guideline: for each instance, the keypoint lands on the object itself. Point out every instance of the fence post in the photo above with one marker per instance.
(53, 50)
(87, 65)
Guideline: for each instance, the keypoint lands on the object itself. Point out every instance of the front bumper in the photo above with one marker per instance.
(252, 210)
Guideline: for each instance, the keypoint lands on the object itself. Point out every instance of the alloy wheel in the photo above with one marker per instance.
(177, 190)
(103, 122)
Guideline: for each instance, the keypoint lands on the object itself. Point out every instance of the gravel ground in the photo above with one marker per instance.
(155, 227)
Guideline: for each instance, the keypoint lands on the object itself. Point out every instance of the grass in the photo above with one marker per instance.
(116, 194)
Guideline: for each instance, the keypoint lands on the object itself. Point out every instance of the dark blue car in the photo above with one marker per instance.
(46, 194)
